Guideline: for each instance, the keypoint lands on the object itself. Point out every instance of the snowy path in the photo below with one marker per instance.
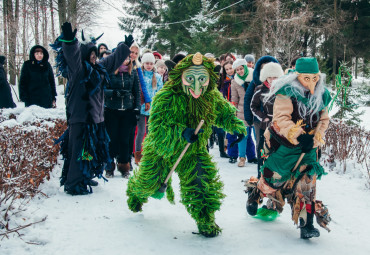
(101, 223)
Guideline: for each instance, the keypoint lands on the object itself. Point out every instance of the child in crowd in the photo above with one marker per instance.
(153, 83)
(161, 69)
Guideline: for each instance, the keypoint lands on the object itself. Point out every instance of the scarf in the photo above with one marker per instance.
(268, 85)
(123, 68)
(246, 72)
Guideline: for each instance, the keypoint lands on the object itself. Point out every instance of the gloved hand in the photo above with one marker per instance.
(238, 140)
(306, 142)
(189, 135)
(68, 35)
(129, 40)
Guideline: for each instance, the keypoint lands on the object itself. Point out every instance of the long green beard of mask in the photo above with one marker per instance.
(195, 81)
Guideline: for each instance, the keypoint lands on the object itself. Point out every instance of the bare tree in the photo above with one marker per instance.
(12, 14)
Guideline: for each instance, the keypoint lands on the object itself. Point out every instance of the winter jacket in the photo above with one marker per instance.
(249, 118)
(129, 83)
(148, 75)
(261, 109)
(238, 88)
(285, 117)
(37, 84)
(6, 99)
(85, 101)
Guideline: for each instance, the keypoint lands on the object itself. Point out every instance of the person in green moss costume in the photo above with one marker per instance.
(188, 97)
(293, 139)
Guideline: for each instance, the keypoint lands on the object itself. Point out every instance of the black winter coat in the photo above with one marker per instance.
(37, 84)
(85, 100)
(6, 99)
(123, 82)
(261, 109)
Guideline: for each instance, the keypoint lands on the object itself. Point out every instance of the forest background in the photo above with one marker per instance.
(334, 31)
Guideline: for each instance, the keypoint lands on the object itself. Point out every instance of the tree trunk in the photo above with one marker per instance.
(62, 12)
(36, 20)
(52, 20)
(356, 66)
(334, 46)
(24, 42)
(13, 17)
(44, 23)
(5, 15)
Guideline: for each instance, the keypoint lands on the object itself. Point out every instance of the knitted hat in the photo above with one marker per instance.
(239, 62)
(307, 65)
(160, 63)
(271, 69)
(249, 58)
(148, 58)
(157, 54)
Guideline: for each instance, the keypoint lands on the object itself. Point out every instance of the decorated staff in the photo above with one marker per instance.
(293, 139)
(188, 97)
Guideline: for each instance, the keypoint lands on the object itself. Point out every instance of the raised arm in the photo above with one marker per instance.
(113, 61)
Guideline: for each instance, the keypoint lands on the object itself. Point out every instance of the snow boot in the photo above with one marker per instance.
(308, 230)
(124, 169)
(241, 162)
(208, 230)
(253, 161)
(224, 154)
(109, 173)
(233, 160)
(77, 190)
(252, 208)
(137, 155)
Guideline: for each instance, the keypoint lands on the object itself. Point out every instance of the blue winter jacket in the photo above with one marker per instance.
(248, 116)
(148, 75)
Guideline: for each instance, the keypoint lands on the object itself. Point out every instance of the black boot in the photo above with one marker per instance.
(308, 230)
(223, 154)
(252, 208)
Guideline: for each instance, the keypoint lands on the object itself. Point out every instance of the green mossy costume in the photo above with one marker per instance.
(172, 111)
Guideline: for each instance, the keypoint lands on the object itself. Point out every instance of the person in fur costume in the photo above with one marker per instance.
(188, 97)
(293, 138)
(84, 145)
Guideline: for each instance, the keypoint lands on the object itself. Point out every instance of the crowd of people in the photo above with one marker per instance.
(109, 100)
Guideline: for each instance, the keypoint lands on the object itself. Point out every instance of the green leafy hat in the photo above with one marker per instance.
(307, 65)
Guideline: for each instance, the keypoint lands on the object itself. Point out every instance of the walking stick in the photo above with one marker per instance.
(160, 192)
(299, 161)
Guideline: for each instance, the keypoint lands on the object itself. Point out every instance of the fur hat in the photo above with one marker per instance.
(271, 70)
(160, 63)
(239, 62)
(148, 58)
(249, 58)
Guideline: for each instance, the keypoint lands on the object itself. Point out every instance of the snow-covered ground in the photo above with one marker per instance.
(101, 223)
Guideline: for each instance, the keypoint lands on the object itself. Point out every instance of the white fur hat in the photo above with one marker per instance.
(148, 58)
(239, 62)
(271, 70)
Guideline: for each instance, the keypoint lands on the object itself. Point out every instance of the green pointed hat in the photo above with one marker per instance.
(307, 65)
